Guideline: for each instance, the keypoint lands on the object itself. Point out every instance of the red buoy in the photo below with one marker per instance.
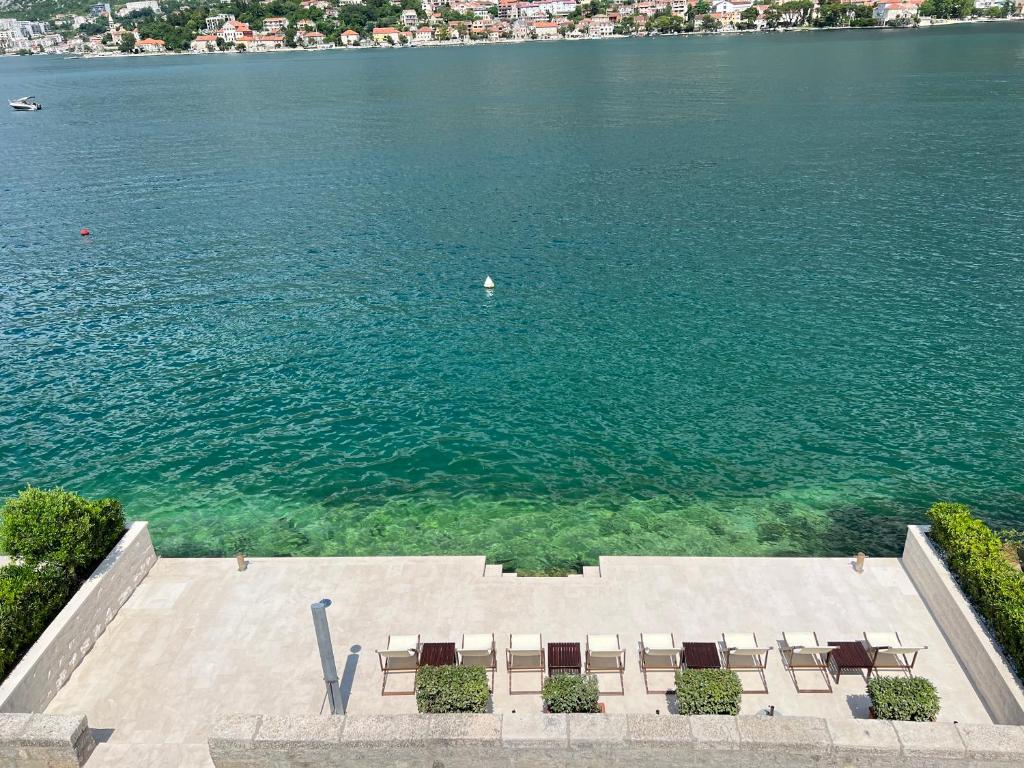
(84, 232)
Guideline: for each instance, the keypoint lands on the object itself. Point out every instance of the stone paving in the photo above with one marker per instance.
(199, 639)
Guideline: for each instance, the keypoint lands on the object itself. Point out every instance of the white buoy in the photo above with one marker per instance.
(488, 283)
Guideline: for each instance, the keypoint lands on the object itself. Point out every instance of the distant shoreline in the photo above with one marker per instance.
(469, 43)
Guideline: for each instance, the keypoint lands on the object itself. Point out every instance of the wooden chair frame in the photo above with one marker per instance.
(385, 668)
(541, 669)
(620, 665)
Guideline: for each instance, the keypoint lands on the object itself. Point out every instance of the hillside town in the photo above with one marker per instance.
(146, 27)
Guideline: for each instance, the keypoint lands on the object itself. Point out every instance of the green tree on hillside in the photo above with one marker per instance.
(127, 44)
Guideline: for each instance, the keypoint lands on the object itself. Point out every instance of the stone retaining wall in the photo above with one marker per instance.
(70, 636)
(534, 740)
(986, 667)
(44, 741)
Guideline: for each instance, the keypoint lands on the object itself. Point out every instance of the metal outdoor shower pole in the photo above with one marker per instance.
(323, 641)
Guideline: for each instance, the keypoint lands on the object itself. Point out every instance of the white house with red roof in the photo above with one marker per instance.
(275, 24)
(309, 38)
(886, 12)
(349, 37)
(601, 26)
(203, 44)
(234, 32)
(424, 35)
(151, 45)
(545, 29)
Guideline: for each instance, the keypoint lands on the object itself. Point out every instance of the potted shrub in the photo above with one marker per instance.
(571, 693)
(903, 698)
(440, 690)
(708, 692)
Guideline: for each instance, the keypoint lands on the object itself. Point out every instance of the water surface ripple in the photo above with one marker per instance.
(755, 295)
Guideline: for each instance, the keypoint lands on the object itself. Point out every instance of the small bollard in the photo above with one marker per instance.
(858, 565)
(240, 559)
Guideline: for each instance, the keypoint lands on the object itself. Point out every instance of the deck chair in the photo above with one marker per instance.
(605, 654)
(887, 651)
(801, 651)
(743, 653)
(658, 653)
(525, 653)
(479, 651)
(401, 657)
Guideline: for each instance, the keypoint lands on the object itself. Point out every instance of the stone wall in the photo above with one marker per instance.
(986, 667)
(534, 740)
(61, 648)
(44, 741)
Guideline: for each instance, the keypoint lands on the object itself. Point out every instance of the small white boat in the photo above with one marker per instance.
(25, 104)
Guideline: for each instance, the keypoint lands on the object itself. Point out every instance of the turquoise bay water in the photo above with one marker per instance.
(755, 295)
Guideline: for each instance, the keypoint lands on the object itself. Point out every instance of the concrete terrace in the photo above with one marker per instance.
(198, 639)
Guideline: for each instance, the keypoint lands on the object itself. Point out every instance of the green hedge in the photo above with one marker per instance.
(995, 587)
(56, 538)
(452, 689)
(571, 693)
(30, 597)
(903, 698)
(708, 692)
(60, 528)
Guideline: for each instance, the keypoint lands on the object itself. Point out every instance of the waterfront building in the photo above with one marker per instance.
(204, 44)
(546, 29)
(383, 34)
(266, 42)
(601, 26)
(886, 12)
(349, 37)
(151, 45)
(235, 32)
(309, 38)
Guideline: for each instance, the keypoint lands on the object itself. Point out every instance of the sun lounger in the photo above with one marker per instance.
(605, 654)
(743, 653)
(479, 651)
(658, 653)
(525, 653)
(801, 651)
(400, 657)
(887, 651)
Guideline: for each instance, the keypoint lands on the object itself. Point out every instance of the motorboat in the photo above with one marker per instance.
(25, 104)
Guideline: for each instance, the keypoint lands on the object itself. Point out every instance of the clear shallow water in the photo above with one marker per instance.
(755, 295)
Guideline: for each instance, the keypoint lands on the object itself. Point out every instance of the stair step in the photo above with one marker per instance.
(591, 572)
(493, 571)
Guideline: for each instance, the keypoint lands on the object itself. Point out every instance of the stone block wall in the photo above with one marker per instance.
(44, 741)
(61, 648)
(986, 667)
(536, 740)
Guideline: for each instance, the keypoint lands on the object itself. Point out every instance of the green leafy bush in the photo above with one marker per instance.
(903, 698)
(30, 597)
(571, 693)
(452, 689)
(995, 587)
(708, 692)
(60, 528)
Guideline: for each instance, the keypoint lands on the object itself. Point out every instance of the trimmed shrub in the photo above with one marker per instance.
(975, 556)
(903, 698)
(708, 692)
(60, 528)
(452, 689)
(571, 693)
(29, 599)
